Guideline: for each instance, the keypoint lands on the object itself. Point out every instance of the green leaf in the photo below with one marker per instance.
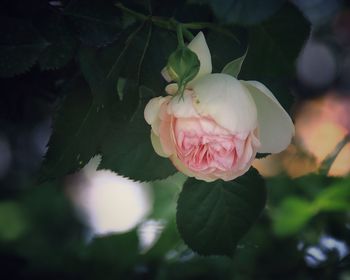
(79, 129)
(62, 43)
(243, 12)
(213, 217)
(96, 22)
(129, 152)
(20, 46)
(136, 58)
(273, 48)
(139, 56)
(234, 67)
(97, 121)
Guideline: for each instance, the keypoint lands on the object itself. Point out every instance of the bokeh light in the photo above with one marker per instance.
(109, 203)
(320, 125)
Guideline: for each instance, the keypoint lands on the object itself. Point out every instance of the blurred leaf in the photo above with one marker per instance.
(51, 214)
(273, 49)
(20, 46)
(118, 250)
(96, 22)
(243, 12)
(309, 195)
(195, 267)
(234, 67)
(62, 43)
(213, 217)
(292, 215)
(165, 196)
(129, 152)
(12, 221)
(335, 198)
(54, 232)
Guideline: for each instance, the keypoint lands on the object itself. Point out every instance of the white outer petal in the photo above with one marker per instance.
(224, 99)
(152, 109)
(276, 128)
(199, 46)
(157, 146)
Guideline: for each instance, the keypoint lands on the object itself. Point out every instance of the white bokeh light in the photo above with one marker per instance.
(110, 203)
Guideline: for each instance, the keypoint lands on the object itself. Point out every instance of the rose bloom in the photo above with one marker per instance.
(215, 130)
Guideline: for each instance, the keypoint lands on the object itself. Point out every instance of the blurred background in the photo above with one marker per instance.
(100, 224)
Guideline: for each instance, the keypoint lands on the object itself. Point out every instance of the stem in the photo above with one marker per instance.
(171, 24)
(131, 12)
(189, 36)
(329, 160)
(180, 37)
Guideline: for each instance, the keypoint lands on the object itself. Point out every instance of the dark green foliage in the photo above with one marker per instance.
(273, 48)
(128, 151)
(80, 127)
(108, 61)
(97, 23)
(213, 217)
(20, 46)
(226, 46)
(243, 12)
(62, 43)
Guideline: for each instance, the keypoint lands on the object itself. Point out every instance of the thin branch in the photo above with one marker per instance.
(329, 160)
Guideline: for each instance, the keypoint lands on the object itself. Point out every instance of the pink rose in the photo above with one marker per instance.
(216, 129)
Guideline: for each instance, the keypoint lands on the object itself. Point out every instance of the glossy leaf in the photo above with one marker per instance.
(213, 217)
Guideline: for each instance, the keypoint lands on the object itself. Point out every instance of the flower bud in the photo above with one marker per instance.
(183, 65)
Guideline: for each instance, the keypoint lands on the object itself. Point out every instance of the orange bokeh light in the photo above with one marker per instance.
(320, 125)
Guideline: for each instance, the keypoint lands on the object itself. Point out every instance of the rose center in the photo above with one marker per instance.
(203, 152)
